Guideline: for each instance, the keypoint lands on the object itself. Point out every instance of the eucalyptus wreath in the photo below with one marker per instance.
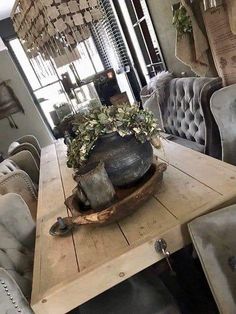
(125, 119)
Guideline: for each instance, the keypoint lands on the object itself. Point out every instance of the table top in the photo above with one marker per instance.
(71, 270)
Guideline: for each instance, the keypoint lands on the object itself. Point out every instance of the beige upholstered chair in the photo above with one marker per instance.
(29, 143)
(26, 162)
(22, 179)
(17, 236)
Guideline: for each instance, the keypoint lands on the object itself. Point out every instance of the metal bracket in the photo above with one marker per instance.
(161, 246)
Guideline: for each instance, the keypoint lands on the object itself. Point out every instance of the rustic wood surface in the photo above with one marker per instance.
(127, 200)
(69, 271)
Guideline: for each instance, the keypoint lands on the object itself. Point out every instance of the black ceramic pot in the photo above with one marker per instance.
(126, 159)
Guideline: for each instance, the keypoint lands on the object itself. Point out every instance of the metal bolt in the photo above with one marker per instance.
(62, 225)
(16, 306)
(232, 262)
(5, 286)
(14, 302)
(11, 298)
(8, 294)
(2, 282)
(6, 289)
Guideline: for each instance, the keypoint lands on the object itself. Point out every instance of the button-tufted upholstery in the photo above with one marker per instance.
(187, 116)
(17, 236)
(20, 174)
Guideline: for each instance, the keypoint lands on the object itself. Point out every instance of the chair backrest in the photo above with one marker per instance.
(26, 162)
(31, 140)
(29, 147)
(7, 166)
(186, 110)
(223, 106)
(15, 180)
(213, 236)
(17, 238)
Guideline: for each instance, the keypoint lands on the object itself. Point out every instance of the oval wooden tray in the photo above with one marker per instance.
(127, 200)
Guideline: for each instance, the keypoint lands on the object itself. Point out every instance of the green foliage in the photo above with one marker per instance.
(182, 21)
(126, 120)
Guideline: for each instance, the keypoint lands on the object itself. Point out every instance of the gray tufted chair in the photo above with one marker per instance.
(213, 236)
(223, 106)
(187, 116)
(17, 237)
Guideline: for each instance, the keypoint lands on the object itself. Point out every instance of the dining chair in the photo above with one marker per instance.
(223, 107)
(17, 238)
(29, 143)
(213, 237)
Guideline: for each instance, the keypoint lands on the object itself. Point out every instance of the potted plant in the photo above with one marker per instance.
(119, 136)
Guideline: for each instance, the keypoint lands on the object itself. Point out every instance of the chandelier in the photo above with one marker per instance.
(53, 28)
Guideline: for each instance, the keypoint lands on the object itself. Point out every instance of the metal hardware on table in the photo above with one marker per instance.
(232, 262)
(161, 247)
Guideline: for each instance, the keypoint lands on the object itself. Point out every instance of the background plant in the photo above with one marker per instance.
(182, 21)
(126, 120)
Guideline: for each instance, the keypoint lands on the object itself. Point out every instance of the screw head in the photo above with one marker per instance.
(232, 262)
(122, 274)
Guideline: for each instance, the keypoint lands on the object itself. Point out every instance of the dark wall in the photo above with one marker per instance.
(6, 29)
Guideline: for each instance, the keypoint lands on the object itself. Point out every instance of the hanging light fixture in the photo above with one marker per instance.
(53, 28)
(209, 4)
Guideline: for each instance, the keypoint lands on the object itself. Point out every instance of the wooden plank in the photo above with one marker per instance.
(92, 244)
(182, 194)
(150, 218)
(212, 172)
(214, 204)
(110, 254)
(66, 173)
(55, 259)
(109, 273)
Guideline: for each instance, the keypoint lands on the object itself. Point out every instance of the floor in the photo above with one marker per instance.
(158, 291)
(189, 288)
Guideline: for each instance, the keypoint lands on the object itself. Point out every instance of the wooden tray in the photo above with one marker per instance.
(128, 200)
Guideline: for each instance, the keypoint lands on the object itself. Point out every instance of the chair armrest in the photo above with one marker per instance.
(29, 147)
(26, 162)
(20, 183)
(31, 140)
(12, 299)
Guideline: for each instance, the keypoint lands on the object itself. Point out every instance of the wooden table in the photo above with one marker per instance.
(69, 271)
